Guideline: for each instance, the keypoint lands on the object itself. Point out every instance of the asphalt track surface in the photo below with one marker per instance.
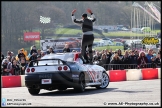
(125, 93)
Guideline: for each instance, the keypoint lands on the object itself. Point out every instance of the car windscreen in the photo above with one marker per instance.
(49, 62)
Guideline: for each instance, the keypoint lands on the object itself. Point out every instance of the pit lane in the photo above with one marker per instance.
(147, 91)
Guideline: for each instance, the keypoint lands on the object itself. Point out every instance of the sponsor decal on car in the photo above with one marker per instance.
(150, 40)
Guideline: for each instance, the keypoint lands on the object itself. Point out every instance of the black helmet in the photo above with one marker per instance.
(84, 15)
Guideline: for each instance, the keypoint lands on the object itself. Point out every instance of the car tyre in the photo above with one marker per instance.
(81, 85)
(105, 81)
(34, 91)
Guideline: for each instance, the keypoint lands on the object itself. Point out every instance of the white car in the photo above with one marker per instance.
(64, 70)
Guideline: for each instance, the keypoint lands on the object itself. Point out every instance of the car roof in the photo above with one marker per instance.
(62, 56)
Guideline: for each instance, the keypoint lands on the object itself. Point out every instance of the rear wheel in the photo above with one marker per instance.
(81, 85)
(34, 91)
(104, 81)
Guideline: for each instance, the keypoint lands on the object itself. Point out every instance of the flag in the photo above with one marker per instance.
(45, 20)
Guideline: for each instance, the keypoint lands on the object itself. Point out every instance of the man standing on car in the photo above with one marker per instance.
(88, 37)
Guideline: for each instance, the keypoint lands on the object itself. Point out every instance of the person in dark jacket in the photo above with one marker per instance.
(33, 50)
(66, 48)
(88, 37)
(153, 62)
(120, 54)
(103, 61)
(158, 60)
(133, 60)
(51, 51)
(23, 66)
(16, 68)
(116, 62)
(126, 60)
(108, 55)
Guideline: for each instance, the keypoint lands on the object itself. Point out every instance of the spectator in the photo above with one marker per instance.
(12, 59)
(9, 54)
(9, 58)
(12, 54)
(95, 60)
(142, 60)
(2, 56)
(103, 60)
(33, 50)
(102, 52)
(133, 60)
(48, 51)
(66, 48)
(111, 58)
(158, 60)
(120, 54)
(15, 68)
(43, 54)
(51, 51)
(153, 62)
(126, 60)
(39, 52)
(38, 57)
(23, 66)
(98, 55)
(6, 67)
(108, 56)
(21, 55)
(33, 57)
(111, 52)
(116, 61)
(149, 55)
(136, 53)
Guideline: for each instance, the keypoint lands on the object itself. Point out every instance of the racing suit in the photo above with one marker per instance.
(88, 37)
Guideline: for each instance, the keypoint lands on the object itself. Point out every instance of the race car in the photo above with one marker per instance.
(64, 70)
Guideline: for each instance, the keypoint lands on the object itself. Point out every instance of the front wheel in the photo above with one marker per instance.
(81, 85)
(34, 91)
(104, 81)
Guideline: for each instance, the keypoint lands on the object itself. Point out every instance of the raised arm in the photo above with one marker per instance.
(92, 15)
(76, 21)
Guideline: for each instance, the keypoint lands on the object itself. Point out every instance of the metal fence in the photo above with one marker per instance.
(130, 66)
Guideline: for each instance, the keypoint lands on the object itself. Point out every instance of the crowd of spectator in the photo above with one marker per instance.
(107, 58)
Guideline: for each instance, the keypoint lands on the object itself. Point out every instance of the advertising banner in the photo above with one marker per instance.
(31, 36)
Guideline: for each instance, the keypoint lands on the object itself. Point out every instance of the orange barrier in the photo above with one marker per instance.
(11, 81)
(117, 75)
(149, 73)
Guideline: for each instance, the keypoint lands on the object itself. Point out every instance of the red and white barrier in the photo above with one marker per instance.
(133, 74)
(117, 75)
(159, 73)
(114, 75)
(22, 80)
(11, 81)
(149, 73)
